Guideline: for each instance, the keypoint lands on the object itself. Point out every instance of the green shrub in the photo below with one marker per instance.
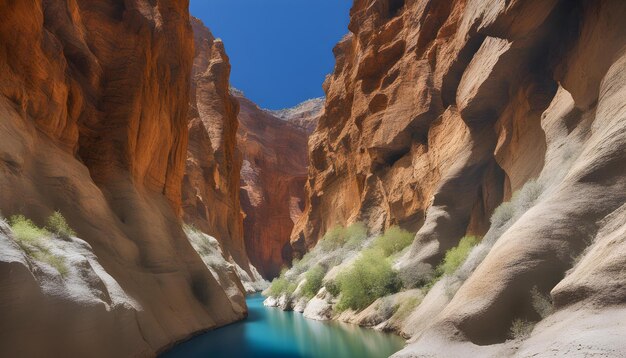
(56, 224)
(313, 283)
(29, 237)
(25, 231)
(457, 255)
(337, 237)
(369, 278)
(332, 287)
(406, 307)
(355, 235)
(452, 261)
(281, 285)
(393, 240)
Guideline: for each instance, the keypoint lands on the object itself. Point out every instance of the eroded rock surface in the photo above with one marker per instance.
(94, 97)
(436, 113)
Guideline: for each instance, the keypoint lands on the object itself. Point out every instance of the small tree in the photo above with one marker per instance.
(370, 277)
(393, 240)
(313, 283)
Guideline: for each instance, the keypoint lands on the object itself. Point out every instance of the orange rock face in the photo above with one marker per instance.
(211, 182)
(273, 177)
(94, 97)
(391, 133)
(437, 112)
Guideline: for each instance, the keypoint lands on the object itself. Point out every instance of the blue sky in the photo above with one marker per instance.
(280, 50)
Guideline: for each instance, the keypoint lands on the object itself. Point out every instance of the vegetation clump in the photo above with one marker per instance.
(393, 240)
(332, 287)
(521, 329)
(337, 237)
(453, 260)
(281, 285)
(541, 303)
(313, 283)
(457, 255)
(57, 225)
(26, 233)
(369, 278)
(406, 307)
(29, 237)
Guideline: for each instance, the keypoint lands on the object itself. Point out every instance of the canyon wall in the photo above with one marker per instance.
(94, 102)
(210, 191)
(274, 147)
(436, 113)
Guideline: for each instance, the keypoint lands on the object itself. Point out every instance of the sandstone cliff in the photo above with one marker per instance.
(94, 97)
(436, 113)
(273, 177)
(211, 182)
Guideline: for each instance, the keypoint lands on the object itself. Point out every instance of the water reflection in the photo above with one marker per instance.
(271, 332)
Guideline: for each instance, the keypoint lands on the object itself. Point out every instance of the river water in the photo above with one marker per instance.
(270, 332)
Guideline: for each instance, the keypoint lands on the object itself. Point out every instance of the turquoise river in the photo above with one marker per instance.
(270, 332)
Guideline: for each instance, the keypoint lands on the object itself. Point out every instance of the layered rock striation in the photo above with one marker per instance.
(439, 111)
(94, 102)
(273, 177)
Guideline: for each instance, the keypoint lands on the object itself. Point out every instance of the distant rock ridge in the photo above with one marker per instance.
(304, 115)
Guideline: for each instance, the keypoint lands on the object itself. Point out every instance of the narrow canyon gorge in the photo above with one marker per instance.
(462, 184)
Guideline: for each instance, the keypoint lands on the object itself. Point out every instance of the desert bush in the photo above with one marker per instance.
(406, 307)
(351, 236)
(332, 287)
(527, 196)
(332, 239)
(541, 303)
(451, 261)
(393, 240)
(25, 231)
(369, 278)
(313, 283)
(57, 225)
(386, 308)
(521, 329)
(415, 274)
(502, 215)
(29, 237)
(457, 255)
(278, 286)
(521, 201)
(282, 285)
(356, 235)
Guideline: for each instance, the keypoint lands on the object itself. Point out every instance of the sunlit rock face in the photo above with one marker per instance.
(211, 182)
(94, 99)
(272, 178)
(304, 116)
(438, 111)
